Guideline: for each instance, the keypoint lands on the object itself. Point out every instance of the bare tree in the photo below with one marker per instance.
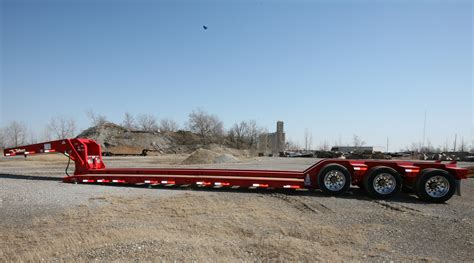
(46, 133)
(168, 125)
(32, 137)
(263, 141)
(455, 142)
(308, 140)
(205, 125)
(245, 134)
(15, 134)
(147, 122)
(62, 127)
(339, 141)
(324, 146)
(129, 121)
(463, 145)
(428, 147)
(357, 141)
(237, 134)
(96, 119)
(252, 133)
(2, 139)
(446, 148)
(292, 146)
(414, 147)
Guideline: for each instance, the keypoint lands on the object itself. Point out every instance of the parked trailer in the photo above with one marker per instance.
(431, 181)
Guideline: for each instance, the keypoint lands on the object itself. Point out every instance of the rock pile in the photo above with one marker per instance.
(118, 140)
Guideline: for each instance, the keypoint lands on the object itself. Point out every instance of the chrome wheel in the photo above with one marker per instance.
(437, 186)
(384, 183)
(334, 180)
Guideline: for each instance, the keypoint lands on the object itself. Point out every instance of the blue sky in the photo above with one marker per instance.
(337, 68)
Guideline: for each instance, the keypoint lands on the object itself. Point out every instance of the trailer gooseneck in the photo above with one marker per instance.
(431, 181)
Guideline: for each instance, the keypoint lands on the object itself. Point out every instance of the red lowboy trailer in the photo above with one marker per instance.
(431, 181)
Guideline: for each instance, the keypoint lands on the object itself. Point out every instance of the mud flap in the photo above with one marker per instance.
(458, 187)
(307, 180)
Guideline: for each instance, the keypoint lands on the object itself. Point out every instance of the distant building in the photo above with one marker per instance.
(273, 143)
(348, 149)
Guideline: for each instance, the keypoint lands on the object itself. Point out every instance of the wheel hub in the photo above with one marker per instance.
(384, 183)
(437, 186)
(334, 180)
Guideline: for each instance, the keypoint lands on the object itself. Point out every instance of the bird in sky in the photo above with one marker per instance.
(205, 27)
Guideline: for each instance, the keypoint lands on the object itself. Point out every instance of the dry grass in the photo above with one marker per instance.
(188, 226)
(231, 226)
(38, 158)
(42, 159)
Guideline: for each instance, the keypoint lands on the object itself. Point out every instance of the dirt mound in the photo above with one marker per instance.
(118, 140)
(239, 153)
(226, 158)
(203, 156)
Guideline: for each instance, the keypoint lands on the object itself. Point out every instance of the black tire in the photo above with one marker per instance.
(382, 182)
(334, 170)
(407, 188)
(435, 175)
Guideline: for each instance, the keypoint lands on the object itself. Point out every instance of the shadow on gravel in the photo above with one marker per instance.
(359, 194)
(29, 177)
(353, 193)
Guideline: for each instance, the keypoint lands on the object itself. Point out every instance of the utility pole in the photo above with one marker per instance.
(455, 139)
(387, 146)
(424, 133)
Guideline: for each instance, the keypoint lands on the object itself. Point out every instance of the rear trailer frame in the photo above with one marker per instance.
(431, 181)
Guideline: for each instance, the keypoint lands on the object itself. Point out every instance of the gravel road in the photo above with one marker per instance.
(44, 219)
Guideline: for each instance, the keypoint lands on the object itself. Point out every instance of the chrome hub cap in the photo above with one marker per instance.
(334, 180)
(437, 186)
(384, 183)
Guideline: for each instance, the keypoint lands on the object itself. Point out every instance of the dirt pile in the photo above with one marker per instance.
(204, 156)
(117, 140)
(239, 153)
(226, 158)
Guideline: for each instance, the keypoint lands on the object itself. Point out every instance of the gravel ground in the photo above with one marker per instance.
(44, 219)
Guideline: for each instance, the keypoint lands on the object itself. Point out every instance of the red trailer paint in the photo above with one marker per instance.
(431, 181)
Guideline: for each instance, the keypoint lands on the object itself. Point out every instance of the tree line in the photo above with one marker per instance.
(209, 127)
